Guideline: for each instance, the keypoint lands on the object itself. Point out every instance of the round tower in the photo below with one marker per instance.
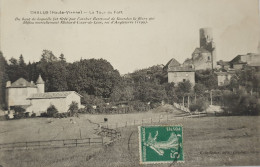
(206, 37)
(40, 85)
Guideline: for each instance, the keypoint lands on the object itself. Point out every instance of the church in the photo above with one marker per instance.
(34, 99)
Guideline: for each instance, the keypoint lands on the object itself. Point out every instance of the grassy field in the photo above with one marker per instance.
(207, 141)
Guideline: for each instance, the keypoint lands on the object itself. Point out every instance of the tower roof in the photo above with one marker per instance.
(200, 50)
(40, 80)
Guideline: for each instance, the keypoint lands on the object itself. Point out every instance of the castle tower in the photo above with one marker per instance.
(206, 42)
(40, 85)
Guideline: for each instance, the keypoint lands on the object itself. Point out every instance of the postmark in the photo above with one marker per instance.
(161, 144)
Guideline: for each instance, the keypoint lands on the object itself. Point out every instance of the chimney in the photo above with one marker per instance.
(8, 84)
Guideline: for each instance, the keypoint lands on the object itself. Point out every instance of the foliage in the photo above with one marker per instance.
(150, 92)
(3, 79)
(240, 103)
(170, 91)
(73, 108)
(95, 77)
(249, 78)
(18, 109)
(207, 78)
(200, 105)
(199, 89)
(33, 115)
(122, 92)
(51, 111)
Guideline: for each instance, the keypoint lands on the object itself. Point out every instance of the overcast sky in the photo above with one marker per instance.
(173, 34)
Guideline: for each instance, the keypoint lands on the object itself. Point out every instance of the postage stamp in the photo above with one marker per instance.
(160, 144)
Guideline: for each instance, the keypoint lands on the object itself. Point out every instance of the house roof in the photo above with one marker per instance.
(200, 50)
(51, 95)
(22, 83)
(172, 63)
(223, 63)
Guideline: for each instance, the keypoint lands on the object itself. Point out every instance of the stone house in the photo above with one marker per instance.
(34, 99)
(179, 73)
(224, 77)
(240, 61)
(18, 91)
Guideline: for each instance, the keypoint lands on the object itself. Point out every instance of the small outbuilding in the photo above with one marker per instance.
(39, 102)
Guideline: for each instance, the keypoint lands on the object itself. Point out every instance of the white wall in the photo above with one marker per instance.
(18, 96)
(39, 106)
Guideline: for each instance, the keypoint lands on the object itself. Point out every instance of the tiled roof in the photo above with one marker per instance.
(51, 95)
(200, 50)
(172, 63)
(22, 83)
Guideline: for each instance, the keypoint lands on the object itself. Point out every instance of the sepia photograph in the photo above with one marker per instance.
(129, 83)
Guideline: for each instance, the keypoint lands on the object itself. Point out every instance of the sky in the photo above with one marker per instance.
(174, 32)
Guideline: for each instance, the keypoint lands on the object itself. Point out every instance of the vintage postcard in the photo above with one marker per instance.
(105, 83)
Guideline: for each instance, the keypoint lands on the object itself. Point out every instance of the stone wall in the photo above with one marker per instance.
(180, 76)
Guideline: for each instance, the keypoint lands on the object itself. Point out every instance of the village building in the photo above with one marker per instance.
(224, 78)
(179, 73)
(39, 102)
(204, 57)
(34, 99)
(249, 59)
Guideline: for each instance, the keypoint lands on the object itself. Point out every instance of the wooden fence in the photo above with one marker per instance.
(53, 143)
(112, 133)
(181, 107)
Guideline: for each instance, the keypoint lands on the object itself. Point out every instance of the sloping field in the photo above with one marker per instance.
(208, 141)
(45, 129)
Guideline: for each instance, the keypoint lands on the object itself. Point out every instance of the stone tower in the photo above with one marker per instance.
(207, 42)
(40, 85)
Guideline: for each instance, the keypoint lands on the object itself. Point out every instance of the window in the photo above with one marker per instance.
(208, 57)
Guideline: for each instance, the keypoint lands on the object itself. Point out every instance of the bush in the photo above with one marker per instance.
(18, 109)
(73, 109)
(200, 105)
(44, 114)
(33, 115)
(51, 111)
(241, 103)
(193, 107)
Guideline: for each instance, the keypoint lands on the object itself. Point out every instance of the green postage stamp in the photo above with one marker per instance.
(160, 144)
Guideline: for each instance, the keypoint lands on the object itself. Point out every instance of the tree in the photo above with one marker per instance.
(122, 92)
(62, 58)
(183, 89)
(56, 77)
(51, 111)
(48, 56)
(170, 91)
(150, 92)
(95, 77)
(73, 108)
(240, 103)
(3, 79)
(208, 78)
(17, 69)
